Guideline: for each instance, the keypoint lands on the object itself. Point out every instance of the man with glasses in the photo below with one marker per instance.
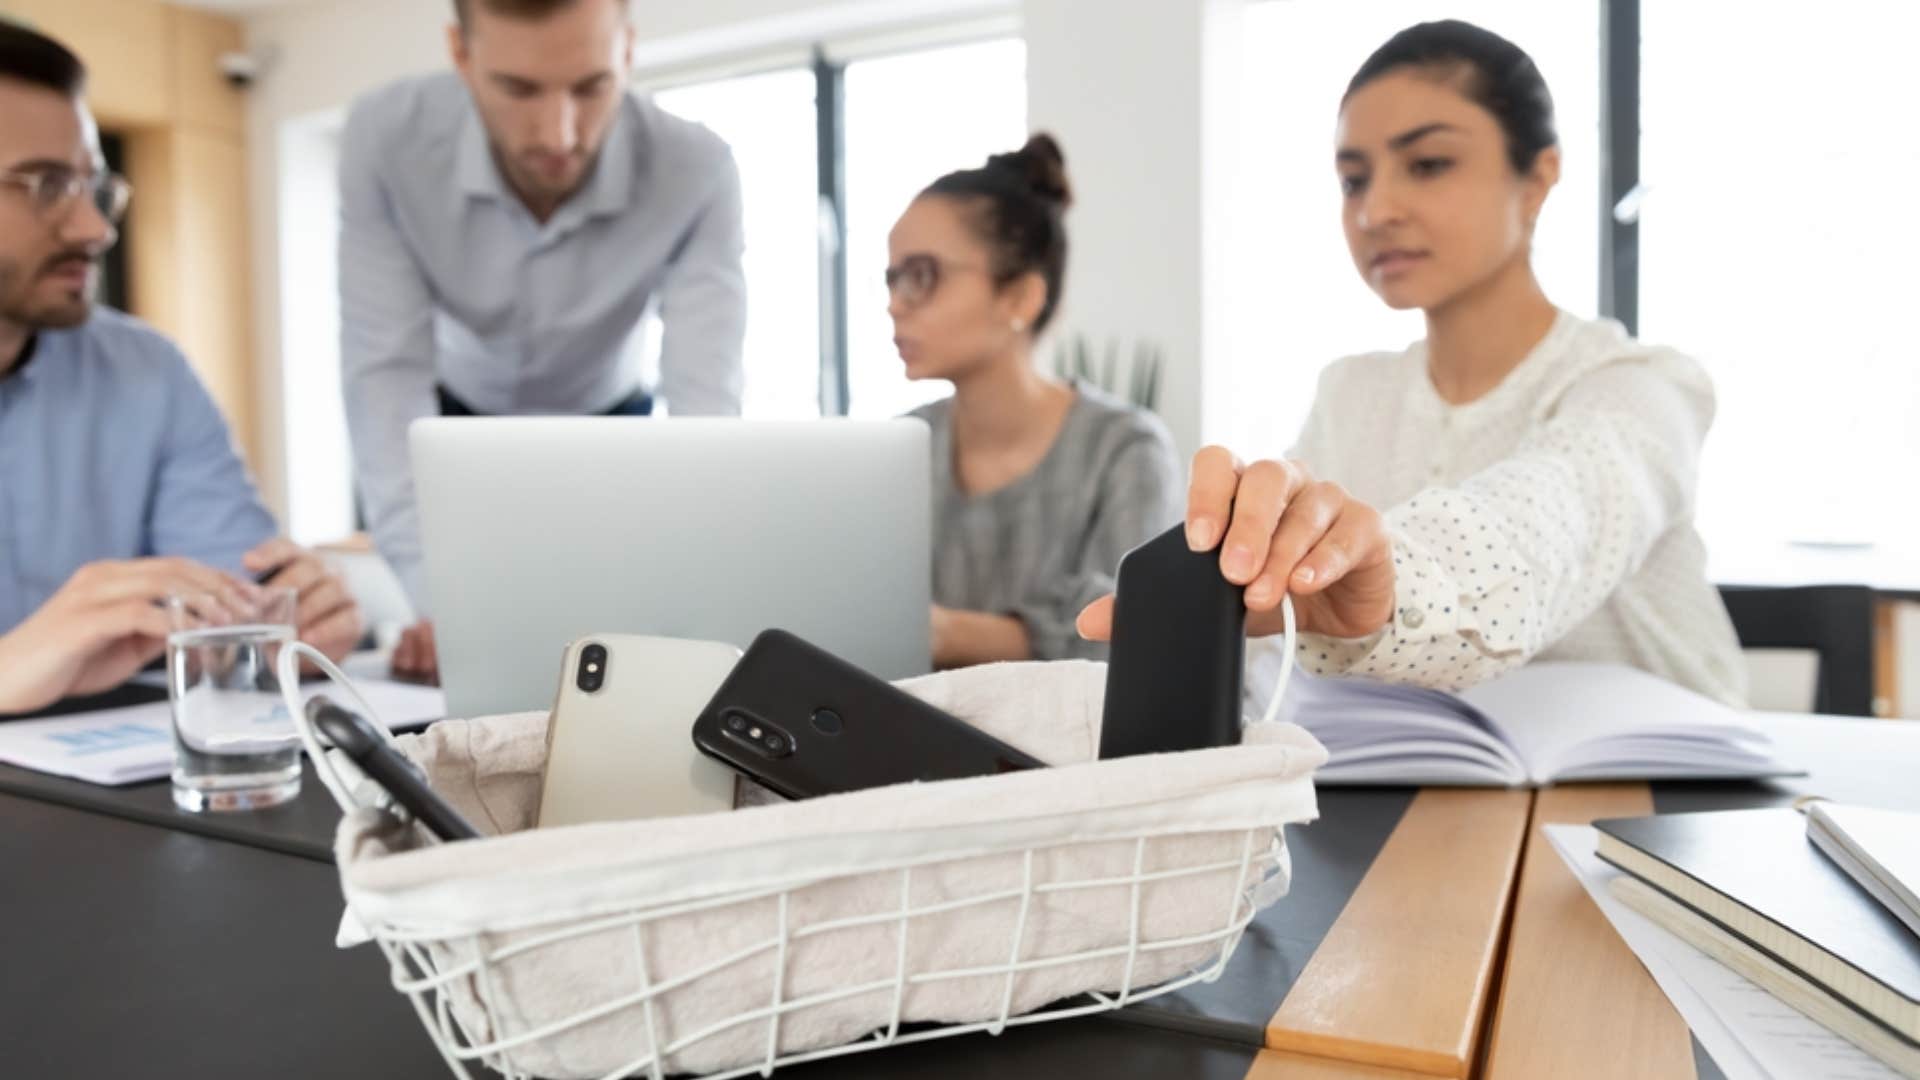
(119, 485)
(504, 228)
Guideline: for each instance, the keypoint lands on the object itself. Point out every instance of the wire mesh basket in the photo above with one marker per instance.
(731, 944)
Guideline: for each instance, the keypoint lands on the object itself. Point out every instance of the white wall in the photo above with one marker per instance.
(1132, 87)
(323, 55)
(315, 447)
(1133, 90)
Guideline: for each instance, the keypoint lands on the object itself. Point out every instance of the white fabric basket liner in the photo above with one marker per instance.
(742, 940)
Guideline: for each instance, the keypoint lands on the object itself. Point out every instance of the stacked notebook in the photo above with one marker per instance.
(1751, 889)
(1879, 850)
(1541, 724)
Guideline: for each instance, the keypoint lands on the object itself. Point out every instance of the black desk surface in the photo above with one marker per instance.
(136, 950)
(1329, 859)
(131, 947)
(303, 826)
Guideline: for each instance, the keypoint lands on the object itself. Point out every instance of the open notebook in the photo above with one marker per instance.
(1539, 724)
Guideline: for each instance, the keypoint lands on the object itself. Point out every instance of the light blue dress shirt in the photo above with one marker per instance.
(111, 449)
(445, 277)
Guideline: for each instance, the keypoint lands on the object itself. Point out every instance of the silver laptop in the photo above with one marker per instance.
(538, 531)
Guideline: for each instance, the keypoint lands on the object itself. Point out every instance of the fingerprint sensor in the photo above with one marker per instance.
(827, 722)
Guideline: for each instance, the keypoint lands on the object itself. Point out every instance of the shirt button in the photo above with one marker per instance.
(1413, 617)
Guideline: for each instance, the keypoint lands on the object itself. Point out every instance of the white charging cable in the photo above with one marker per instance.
(288, 670)
(1288, 648)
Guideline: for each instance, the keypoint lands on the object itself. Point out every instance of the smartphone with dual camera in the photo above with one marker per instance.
(804, 722)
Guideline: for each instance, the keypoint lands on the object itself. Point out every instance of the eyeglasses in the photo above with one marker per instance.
(54, 192)
(917, 277)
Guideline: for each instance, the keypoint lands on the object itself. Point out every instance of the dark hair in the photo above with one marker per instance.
(1019, 202)
(512, 9)
(1491, 71)
(37, 59)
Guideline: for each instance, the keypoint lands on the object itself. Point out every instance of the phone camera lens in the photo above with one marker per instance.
(766, 739)
(593, 668)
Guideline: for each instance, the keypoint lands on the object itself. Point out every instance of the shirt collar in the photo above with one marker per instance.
(474, 164)
(609, 187)
(1527, 373)
(20, 368)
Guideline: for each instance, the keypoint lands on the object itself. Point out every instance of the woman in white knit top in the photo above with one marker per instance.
(1520, 483)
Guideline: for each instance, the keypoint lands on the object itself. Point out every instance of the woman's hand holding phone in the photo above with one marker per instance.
(1285, 533)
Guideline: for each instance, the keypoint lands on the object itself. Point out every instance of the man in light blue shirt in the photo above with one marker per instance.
(119, 485)
(503, 231)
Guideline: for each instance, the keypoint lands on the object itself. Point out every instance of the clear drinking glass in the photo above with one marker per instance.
(234, 744)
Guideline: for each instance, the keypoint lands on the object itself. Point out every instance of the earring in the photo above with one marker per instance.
(1018, 325)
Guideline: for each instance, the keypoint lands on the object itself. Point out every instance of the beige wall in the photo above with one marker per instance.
(154, 79)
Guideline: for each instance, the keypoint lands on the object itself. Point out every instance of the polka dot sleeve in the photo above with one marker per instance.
(1496, 569)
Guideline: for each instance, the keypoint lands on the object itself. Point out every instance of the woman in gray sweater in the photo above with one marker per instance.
(1039, 486)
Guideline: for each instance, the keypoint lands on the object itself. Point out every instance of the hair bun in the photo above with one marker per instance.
(1041, 166)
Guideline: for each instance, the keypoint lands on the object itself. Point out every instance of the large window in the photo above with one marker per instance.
(319, 458)
(1298, 302)
(1776, 242)
(768, 119)
(910, 119)
(898, 121)
(1746, 222)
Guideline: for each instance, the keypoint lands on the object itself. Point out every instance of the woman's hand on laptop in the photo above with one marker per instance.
(327, 616)
(1284, 532)
(417, 658)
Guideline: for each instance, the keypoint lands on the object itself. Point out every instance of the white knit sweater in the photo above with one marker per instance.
(1551, 518)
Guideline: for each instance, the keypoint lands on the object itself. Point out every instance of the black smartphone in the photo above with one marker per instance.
(1179, 652)
(804, 722)
(356, 737)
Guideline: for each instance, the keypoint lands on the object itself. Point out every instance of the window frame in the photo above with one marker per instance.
(1620, 162)
(828, 61)
(1619, 248)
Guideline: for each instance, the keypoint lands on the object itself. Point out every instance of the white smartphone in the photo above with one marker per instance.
(619, 743)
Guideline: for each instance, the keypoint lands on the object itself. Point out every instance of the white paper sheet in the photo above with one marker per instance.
(1751, 1034)
(135, 743)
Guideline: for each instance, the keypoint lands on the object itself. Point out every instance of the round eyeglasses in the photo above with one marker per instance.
(917, 277)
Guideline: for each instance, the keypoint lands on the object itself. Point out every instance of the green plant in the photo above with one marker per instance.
(1073, 359)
